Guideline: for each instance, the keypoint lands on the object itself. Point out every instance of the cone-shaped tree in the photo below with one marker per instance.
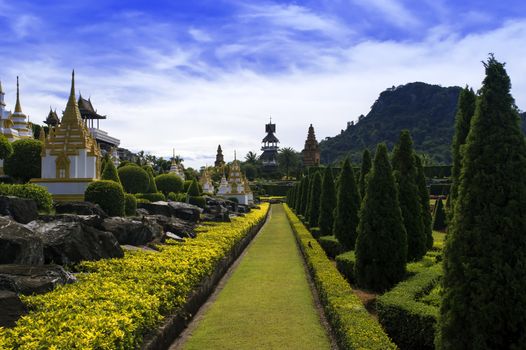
(152, 186)
(381, 245)
(465, 111)
(427, 218)
(314, 205)
(110, 173)
(347, 207)
(405, 175)
(304, 196)
(307, 200)
(366, 167)
(193, 189)
(327, 202)
(297, 199)
(484, 283)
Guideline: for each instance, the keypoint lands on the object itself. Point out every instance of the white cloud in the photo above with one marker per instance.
(393, 11)
(200, 35)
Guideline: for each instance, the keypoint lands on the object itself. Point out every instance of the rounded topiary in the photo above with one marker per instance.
(152, 197)
(110, 172)
(197, 200)
(177, 197)
(152, 187)
(25, 161)
(108, 194)
(6, 149)
(130, 204)
(39, 194)
(167, 183)
(134, 179)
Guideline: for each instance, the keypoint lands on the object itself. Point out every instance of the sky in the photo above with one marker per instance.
(189, 75)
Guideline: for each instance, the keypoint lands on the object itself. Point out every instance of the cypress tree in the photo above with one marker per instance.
(347, 208)
(327, 202)
(314, 205)
(427, 219)
(465, 111)
(381, 245)
(304, 197)
(483, 304)
(405, 175)
(110, 173)
(366, 167)
(300, 197)
(152, 186)
(439, 216)
(193, 189)
(307, 200)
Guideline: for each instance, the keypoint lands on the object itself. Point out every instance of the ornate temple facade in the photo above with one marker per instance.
(177, 168)
(269, 157)
(206, 182)
(71, 157)
(236, 186)
(311, 151)
(220, 161)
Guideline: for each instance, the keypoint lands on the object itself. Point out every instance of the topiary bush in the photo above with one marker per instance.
(314, 202)
(108, 194)
(193, 189)
(167, 183)
(331, 246)
(345, 264)
(327, 203)
(152, 187)
(110, 172)
(25, 161)
(37, 193)
(177, 197)
(152, 197)
(6, 149)
(366, 167)
(197, 200)
(134, 179)
(130, 204)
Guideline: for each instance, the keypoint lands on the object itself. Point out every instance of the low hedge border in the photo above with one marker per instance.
(37, 193)
(116, 302)
(331, 246)
(353, 327)
(345, 264)
(410, 322)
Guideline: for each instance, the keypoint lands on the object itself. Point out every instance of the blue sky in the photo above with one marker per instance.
(193, 74)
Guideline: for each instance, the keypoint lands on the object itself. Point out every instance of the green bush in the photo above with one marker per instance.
(152, 197)
(167, 183)
(177, 197)
(110, 172)
(193, 189)
(423, 193)
(197, 200)
(108, 194)
(134, 179)
(327, 203)
(141, 200)
(345, 264)
(152, 187)
(439, 216)
(366, 167)
(130, 204)
(314, 200)
(6, 149)
(331, 246)
(37, 193)
(25, 161)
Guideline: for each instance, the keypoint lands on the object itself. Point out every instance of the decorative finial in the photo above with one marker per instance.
(18, 108)
(235, 158)
(174, 153)
(270, 119)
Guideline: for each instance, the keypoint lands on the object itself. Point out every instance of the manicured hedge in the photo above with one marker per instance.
(331, 246)
(177, 197)
(410, 322)
(152, 197)
(352, 325)
(116, 301)
(108, 194)
(167, 183)
(134, 179)
(345, 264)
(130, 204)
(200, 201)
(37, 193)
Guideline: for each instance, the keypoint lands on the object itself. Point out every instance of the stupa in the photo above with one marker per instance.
(71, 158)
(236, 186)
(6, 124)
(19, 119)
(206, 182)
(177, 168)
(311, 151)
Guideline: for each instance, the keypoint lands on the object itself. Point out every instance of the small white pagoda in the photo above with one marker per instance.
(177, 168)
(71, 158)
(19, 119)
(236, 186)
(206, 182)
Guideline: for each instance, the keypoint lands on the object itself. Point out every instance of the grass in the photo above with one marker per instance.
(267, 303)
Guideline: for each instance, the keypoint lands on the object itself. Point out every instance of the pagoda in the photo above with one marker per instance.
(311, 152)
(236, 186)
(6, 124)
(19, 119)
(269, 157)
(71, 158)
(52, 119)
(177, 168)
(206, 182)
(220, 161)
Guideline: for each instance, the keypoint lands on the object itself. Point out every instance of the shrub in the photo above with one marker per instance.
(366, 167)
(345, 264)
(314, 205)
(304, 200)
(152, 187)
(130, 204)
(193, 189)
(177, 197)
(108, 194)
(331, 246)
(439, 216)
(427, 219)
(152, 197)
(186, 185)
(37, 193)
(134, 179)
(6, 149)
(110, 173)
(25, 161)
(141, 200)
(327, 203)
(315, 231)
(197, 200)
(167, 183)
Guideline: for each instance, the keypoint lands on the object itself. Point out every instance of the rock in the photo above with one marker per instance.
(142, 212)
(243, 208)
(129, 231)
(19, 245)
(11, 308)
(71, 242)
(166, 223)
(79, 208)
(27, 279)
(20, 209)
(174, 236)
(219, 217)
(90, 220)
(179, 210)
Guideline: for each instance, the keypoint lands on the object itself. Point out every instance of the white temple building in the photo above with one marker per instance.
(71, 158)
(206, 182)
(177, 168)
(236, 186)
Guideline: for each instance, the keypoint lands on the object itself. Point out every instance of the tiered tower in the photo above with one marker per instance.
(206, 182)
(311, 152)
(269, 157)
(177, 168)
(236, 186)
(220, 161)
(19, 119)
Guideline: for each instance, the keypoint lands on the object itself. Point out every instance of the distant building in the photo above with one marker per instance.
(177, 168)
(52, 119)
(311, 152)
(92, 120)
(269, 157)
(220, 161)
(206, 182)
(19, 119)
(236, 186)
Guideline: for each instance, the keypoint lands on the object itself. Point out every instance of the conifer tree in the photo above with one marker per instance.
(327, 203)
(381, 245)
(305, 196)
(405, 175)
(347, 207)
(110, 173)
(366, 167)
(152, 186)
(300, 197)
(427, 218)
(439, 216)
(314, 205)
(307, 200)
(193, 189)
(465, 111)
(484, 283)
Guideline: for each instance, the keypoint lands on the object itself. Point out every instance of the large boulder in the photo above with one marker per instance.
(28, 279)
(179, 210)
(170, 224)
(20, 209)
(90, 220)
(216, 210)
(11, 308)
(71, 242)
(19, 245)
(79, 208)
(130, 231)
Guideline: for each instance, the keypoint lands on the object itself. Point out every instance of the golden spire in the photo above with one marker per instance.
(18, 109)
(72, 113)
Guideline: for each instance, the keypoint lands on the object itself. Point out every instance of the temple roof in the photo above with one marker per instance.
(86, 109)
(52, 118)
(270, 138)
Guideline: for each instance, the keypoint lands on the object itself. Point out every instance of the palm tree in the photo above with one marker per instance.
(251, 158)
(287, 158)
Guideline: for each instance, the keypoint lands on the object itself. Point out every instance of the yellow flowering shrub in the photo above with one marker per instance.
(117, 301)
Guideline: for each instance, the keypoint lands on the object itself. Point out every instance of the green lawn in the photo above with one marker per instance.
(267, 302)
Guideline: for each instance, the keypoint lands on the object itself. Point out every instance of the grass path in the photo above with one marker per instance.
(267, 302)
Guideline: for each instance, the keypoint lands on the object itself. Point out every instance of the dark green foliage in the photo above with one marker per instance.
(197, 200)
(427, 219)
(152, 187)
(314, 202)
(309, 183)
(484, 303)
(37, 193)
(134, 179)
(110, 173)
(5, 147)
(408, 196)
(366, 167)
(193, 189)
(305, 196)
(439, 216)
(152, 197)
(25, 161)
(381, 245)
(465, 111)
(177, 197)
(130, 204)
(315, 232)
(327, 203)
(347, 208)
(345, 264)
(167, 183)
(331, 246)
(108, 194)
(299, 193)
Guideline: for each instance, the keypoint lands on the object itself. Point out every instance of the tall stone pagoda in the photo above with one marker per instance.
(71, 158)
(236, 186)
(220, 161)
(269, 157)
(177, 168)
(19, 119)
(311, 152)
